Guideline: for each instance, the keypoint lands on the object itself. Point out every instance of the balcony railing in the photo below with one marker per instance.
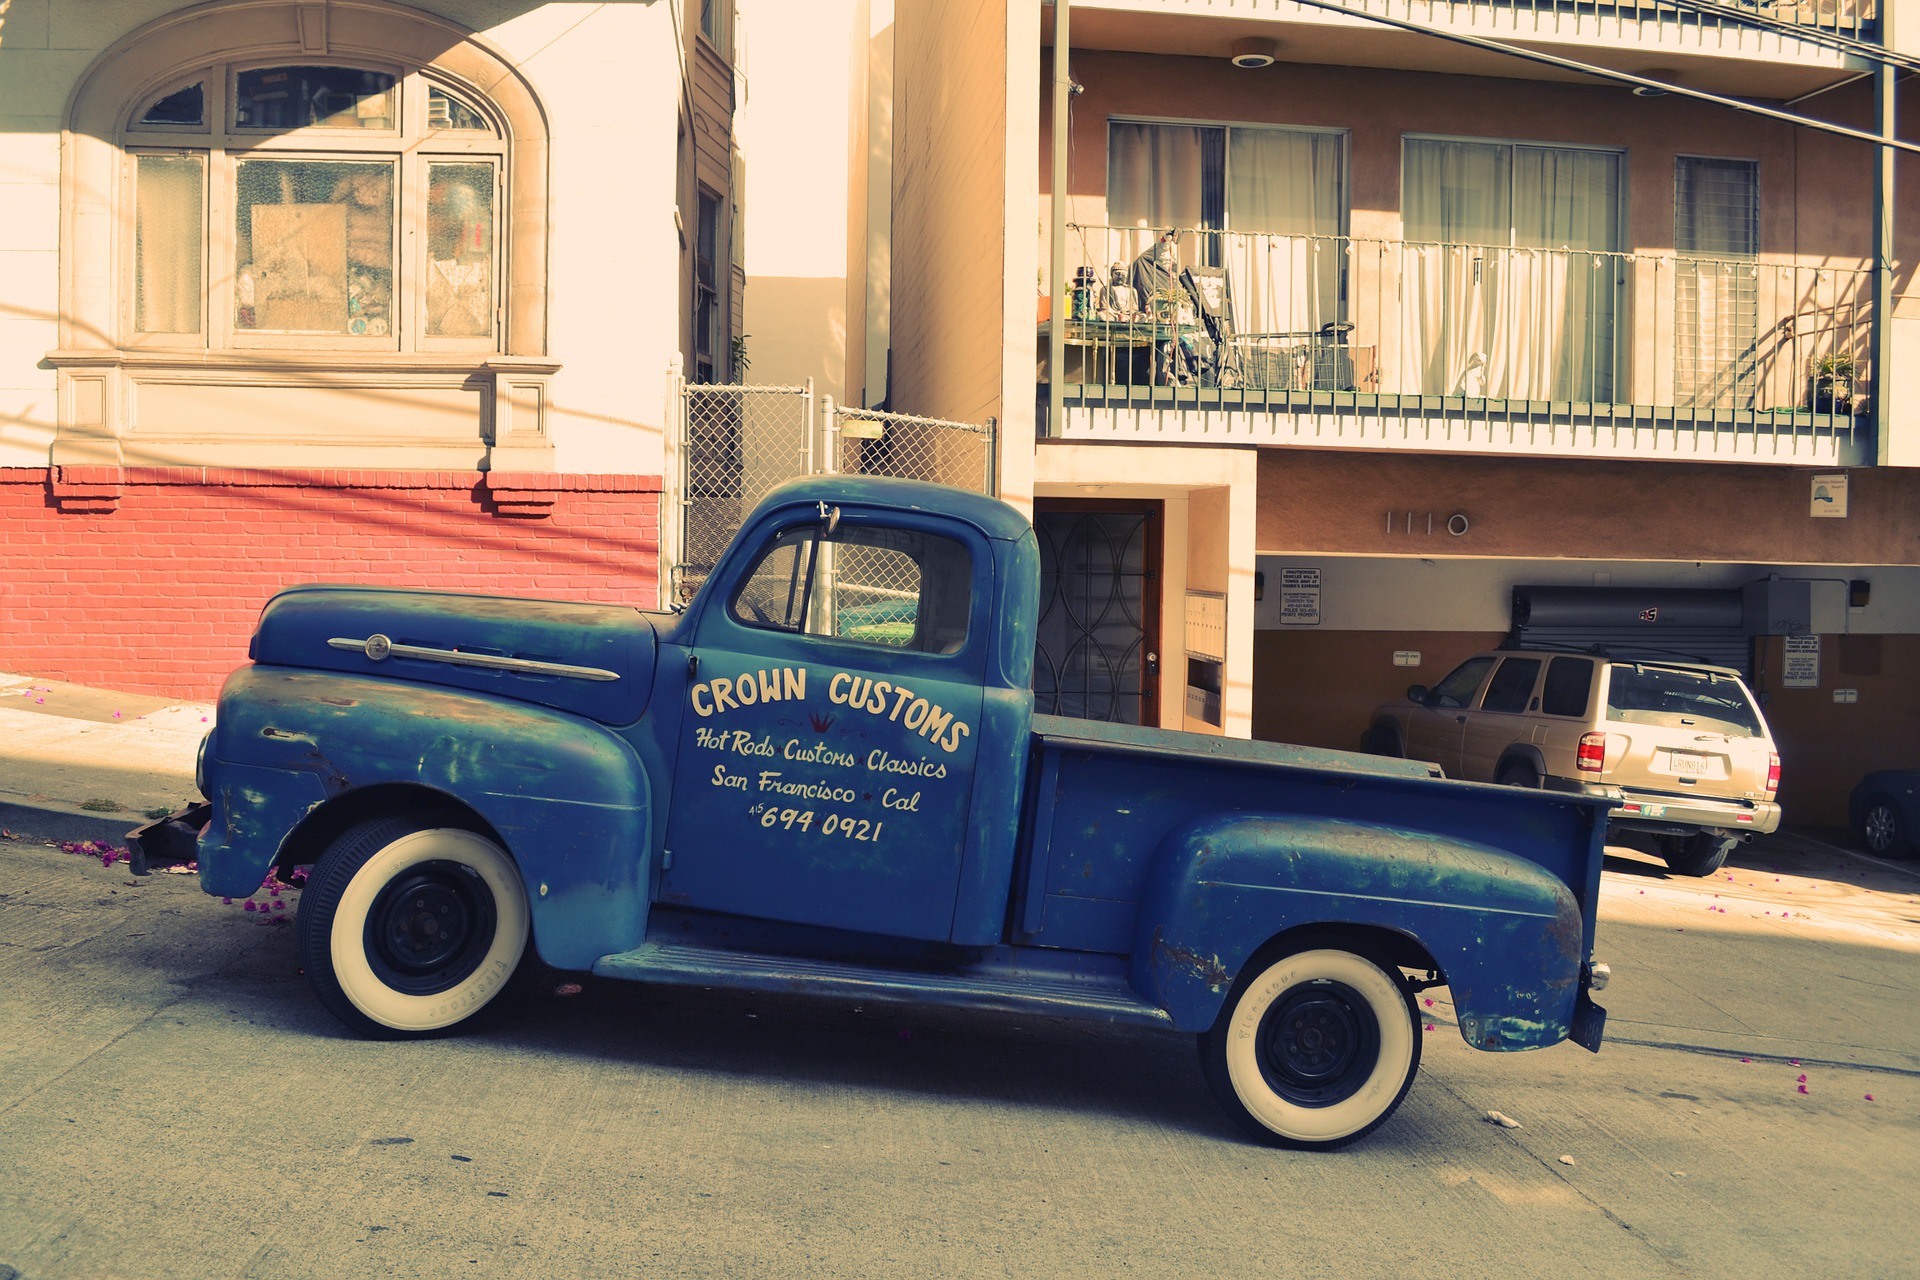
(1522, 337)
(1853, 19)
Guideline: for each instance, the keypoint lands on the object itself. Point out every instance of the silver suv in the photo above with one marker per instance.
(1682, 746)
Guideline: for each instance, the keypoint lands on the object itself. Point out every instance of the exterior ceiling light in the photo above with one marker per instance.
(1253, 51)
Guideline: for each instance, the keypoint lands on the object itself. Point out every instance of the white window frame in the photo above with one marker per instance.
(411, 148)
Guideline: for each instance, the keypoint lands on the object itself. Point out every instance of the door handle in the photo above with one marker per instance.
(1153, 664)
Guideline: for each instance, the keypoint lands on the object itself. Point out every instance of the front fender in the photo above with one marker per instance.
(570, 799)
(1505, 933)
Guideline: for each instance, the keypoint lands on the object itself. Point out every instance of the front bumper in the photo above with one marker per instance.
(168, 841)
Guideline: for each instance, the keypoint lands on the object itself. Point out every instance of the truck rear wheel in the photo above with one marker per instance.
(1314, 1049)
(408, 930)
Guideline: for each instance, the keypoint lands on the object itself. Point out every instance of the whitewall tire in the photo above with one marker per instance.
(1314, 1049)
(410, 930)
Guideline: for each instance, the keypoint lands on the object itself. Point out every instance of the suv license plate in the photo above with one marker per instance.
(1691, 763)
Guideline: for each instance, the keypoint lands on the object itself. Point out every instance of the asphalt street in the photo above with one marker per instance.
(173, 1103)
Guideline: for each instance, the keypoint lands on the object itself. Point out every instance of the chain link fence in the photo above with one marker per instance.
(872, 442)
(735, 444)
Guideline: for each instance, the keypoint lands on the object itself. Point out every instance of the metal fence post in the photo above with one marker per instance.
(673, 507)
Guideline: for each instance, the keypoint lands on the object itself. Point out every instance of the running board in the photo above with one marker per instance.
(1061, 996)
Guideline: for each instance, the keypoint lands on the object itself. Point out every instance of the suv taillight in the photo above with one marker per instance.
(1773, 773)
(1593, 753)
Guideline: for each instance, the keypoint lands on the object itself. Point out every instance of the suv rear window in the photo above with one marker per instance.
(1665, 696)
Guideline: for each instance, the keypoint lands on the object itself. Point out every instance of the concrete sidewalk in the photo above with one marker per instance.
(109, 760)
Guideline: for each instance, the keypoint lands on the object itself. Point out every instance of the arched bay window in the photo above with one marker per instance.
(304, 234)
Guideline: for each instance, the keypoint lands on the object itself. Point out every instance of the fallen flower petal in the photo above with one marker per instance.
(1505, 1122)
(1802, 1088)
(568, 989)
(1568, 1160)
(1869, 1097)
(1803, 1079)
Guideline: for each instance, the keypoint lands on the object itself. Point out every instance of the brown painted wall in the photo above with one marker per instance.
(1323, 500)
(1826, 746)
(1815, 188)
(1319, 688)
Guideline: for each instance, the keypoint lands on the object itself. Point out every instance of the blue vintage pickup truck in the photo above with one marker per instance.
(826, 776)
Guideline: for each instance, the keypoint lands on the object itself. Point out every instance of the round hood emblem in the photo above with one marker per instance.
(378, 647)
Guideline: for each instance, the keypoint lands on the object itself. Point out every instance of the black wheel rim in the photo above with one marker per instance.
(1880, 826)
(430, 927)
(1319, 1044)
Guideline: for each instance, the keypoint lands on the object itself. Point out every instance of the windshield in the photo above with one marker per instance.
(1671, 696)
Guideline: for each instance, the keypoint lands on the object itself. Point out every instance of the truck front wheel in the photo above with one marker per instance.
(1314, 1049)
(408, 930)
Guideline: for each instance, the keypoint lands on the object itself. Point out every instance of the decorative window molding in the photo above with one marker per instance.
(296, 233)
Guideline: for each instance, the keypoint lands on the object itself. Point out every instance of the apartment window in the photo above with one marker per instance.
(1513, 274)
(1265, 203)
(713, 22)
(315, 206)
(1716, 238)
(707, 311)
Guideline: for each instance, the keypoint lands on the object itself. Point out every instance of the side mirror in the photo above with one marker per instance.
(1417, 693)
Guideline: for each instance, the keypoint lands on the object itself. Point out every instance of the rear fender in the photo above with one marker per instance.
(569, 799)
(1504, 933)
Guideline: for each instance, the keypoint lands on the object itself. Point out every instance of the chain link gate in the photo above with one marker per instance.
(735, 444)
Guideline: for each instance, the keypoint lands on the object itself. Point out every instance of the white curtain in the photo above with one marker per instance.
(1158, 177)
(1456, 199)
(1285, 203)
(1509, 279)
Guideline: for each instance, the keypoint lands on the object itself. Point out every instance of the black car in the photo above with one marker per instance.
(1885, 812)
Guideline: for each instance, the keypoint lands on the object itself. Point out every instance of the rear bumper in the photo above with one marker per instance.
(1658, 812)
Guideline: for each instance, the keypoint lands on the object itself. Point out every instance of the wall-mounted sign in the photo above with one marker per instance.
(1829, 497)
(1406, 657)
(1802, 667)
(1299, 597)
(1846, 695)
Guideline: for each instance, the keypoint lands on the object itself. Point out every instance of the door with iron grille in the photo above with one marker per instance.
(1097, 646)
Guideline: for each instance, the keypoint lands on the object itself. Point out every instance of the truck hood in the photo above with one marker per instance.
(590, 659)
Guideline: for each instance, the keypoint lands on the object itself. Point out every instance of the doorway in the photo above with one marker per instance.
(1098, 641)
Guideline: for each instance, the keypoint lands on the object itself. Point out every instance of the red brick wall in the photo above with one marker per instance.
(153, 585)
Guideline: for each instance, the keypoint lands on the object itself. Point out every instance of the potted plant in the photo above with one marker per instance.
(1830, 382)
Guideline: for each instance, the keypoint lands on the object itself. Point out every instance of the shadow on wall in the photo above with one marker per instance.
(809, 316)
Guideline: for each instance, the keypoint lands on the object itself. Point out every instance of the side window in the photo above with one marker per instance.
(1568, 688)
(1511, 685)
(1458, 688)
(895, 588)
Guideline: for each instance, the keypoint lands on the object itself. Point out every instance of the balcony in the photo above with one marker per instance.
(1774, 49)
(1337, 342)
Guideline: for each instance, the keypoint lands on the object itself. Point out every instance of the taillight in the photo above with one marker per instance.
(1773, 773)
(1593, 753)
